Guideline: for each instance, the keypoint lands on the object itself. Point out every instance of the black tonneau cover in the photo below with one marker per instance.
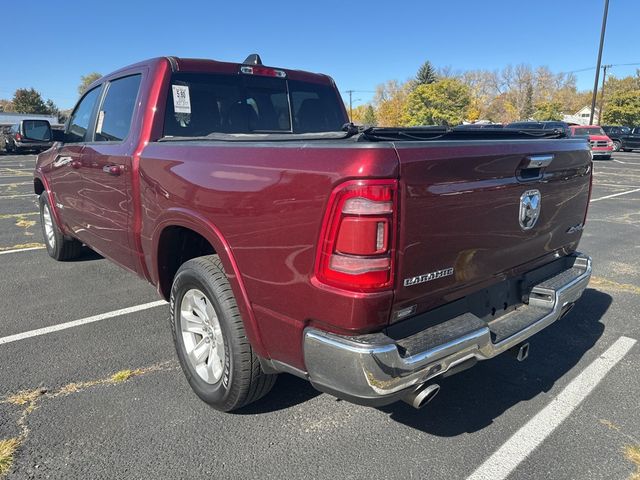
(378, 134)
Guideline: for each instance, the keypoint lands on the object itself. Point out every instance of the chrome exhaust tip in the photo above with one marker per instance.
(422, 395)
(521, 352)
(567, 309)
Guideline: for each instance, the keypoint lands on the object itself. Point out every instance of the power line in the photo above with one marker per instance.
(610, 65)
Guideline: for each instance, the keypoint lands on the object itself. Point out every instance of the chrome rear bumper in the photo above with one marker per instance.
(375, 369)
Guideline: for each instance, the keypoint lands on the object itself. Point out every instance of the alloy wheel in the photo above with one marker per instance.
(202, 336)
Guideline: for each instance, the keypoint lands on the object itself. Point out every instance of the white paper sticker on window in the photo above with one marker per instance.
(100, 121)
(181, 101)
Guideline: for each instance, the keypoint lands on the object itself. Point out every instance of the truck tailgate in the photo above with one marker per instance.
(459, 226)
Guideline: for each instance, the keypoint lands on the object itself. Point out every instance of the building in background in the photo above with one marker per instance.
(10, 118)
(581, 117)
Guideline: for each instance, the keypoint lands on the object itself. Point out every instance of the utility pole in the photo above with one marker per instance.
(350, 92)
(604, 78)
(595, 83)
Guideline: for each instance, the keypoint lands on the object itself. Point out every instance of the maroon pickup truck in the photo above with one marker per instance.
(369, 261)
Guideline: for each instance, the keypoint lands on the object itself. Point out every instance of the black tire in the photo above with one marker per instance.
(617, 145)
(242, 380)
(59, 246)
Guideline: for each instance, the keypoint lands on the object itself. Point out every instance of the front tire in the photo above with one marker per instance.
(210, 339)
(58, 246)
(616, 145)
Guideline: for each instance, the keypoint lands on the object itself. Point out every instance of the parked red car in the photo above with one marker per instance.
(601, 145)
(370, 262)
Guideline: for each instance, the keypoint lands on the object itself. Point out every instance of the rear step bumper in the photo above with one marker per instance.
(376, 370)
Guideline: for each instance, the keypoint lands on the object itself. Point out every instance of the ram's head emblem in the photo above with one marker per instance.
(530, 204)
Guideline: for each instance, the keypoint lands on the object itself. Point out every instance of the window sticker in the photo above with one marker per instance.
(181, 100)
(100, 122)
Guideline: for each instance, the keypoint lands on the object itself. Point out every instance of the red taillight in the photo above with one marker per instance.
(18, 137)
(356, 250)
(586, 211)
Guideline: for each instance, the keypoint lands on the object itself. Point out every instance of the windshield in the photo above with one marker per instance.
(588, 131)
(199, 104)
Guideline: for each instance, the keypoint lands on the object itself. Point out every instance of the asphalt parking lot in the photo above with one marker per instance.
(106, 398)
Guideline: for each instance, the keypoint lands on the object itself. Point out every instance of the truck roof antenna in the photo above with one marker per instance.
(253, 59)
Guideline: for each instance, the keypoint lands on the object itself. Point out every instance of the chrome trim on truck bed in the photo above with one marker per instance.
(373, 368)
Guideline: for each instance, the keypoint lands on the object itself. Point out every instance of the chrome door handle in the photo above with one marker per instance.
(114, 170)
(61, 161)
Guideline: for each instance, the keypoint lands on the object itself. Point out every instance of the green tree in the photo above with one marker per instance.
(623, 108)
(426, 74)
(439, 103)
(28, 101)
(87, 80)
(527, 108)
(52, 108)
(548, 111)
(369, 116)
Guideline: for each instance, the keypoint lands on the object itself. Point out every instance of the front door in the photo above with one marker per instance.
(106, 170)
(65, 174)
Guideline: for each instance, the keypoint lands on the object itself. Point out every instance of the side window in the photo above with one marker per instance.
(79, 121)
(114, 117)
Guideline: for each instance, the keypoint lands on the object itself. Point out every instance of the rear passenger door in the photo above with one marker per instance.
(106, 171)
(633, 140)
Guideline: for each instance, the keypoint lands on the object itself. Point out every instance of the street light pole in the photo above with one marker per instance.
(595, 83)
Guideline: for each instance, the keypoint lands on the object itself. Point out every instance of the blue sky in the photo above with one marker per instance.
(360, 44)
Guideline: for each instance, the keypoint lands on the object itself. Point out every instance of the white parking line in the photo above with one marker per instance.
(17, 250)
(499, 465)
(615, 195)
(19, 195)
(625, 163)
(615, 185)
(82, 321)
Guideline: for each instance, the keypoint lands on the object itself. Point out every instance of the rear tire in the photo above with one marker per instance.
(210, 338)
(59, 247)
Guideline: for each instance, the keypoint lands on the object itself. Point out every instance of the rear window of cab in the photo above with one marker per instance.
(201, 103)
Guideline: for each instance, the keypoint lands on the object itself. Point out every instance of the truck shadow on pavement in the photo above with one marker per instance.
(87, 255)
(288, 391)
(471, 400)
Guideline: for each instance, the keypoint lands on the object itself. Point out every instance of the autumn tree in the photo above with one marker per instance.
(389, 102)
(357, 114)
(623, 108)
(444, 102)
(548, 111)
(6, 105)
(86, 80)
(617, 89)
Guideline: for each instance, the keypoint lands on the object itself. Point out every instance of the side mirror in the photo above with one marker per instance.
(57, 135)
(38, 130)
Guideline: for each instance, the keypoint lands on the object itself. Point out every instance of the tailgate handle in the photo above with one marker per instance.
(538, 161)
